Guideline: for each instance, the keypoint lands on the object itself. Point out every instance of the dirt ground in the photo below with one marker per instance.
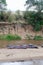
(10, 55)
(4, 43)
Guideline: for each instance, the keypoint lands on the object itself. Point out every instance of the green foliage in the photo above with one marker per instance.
(10, 37)
(37, 27)
(38, 38)
(37, 3)
(2, 5)
(2, 16)
(18, 15)
(29, 16)
(10, 16)
(34, 19)
(2, 9)
(3, 1)
(7, 16)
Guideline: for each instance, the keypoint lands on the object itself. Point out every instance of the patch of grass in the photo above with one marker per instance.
(38, 38)
(10, 37)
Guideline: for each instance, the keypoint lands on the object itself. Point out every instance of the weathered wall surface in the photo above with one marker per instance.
(20, 29)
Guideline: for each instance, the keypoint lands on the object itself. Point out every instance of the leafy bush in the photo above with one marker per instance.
(34, 19)
(10, 37)
(38, 38)
(31, 17)
(37, 27)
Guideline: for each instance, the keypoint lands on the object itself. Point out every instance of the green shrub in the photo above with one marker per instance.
(37, 27)
(38, 38)
(10, 37)
(34, 19)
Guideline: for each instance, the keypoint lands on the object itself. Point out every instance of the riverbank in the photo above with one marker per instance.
(4, 43)
(9, 55)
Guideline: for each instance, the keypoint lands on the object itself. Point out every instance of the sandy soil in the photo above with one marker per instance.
(20, 54)
(4, 43)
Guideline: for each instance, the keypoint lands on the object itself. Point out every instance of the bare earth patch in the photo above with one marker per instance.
(21, 54)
